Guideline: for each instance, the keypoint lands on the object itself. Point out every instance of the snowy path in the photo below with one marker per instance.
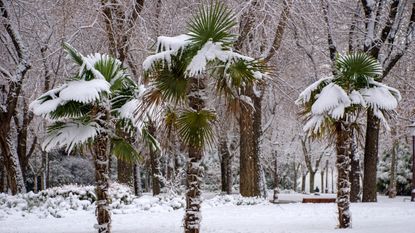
(383, 217)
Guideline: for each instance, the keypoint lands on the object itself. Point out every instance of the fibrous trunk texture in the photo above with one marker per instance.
(249, 185)
(101, 154)
(194, 172)
(343, 169)
(125, 172)
(370, 158)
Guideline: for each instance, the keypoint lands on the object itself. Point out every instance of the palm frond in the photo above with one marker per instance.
(149, 139)
(356, 69)
(70, 134)
(124, 150)
(71, 109)
(73, 53)
(195, 128)
(212, 23)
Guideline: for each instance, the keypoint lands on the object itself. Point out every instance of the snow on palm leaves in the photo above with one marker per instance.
(101, 81)
(332, 98)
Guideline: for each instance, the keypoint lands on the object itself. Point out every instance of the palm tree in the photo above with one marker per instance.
(89, 110)
(332, 103)
(178, 74)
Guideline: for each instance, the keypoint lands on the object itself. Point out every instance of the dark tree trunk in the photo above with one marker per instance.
(343, 169)
(312, 177)
(125, 172)
(2, 175)
(249, 184)
(370, 158)
(295, 183)
(303, 180)
(155, 163)
(322, 181)
(354, 176)
(326, 190)
(137, 180)
(225, 165)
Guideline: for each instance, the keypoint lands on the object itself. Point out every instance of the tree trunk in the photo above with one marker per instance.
(295, 183)
(322, 181)
(343, 169)
(225, 165)
(392, 175)
(311, 181)
(2, 175)
(276, 179)
(249, 184)
(354, 176)
(125, 172)
(137, 180)
(370, 158)
(327, 177)
(13, 169)
(303, 180)
(155, 162)
(101, 154)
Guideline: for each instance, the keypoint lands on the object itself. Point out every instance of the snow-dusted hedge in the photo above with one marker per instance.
(60, 201)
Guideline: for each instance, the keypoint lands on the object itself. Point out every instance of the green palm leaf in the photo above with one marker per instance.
(195, 128)
(356, 69)
(212, 23)
(124, 150)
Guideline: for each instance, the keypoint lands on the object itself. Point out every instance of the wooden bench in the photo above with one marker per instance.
(319, 200)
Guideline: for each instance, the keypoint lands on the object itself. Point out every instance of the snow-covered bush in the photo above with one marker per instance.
(403, 171)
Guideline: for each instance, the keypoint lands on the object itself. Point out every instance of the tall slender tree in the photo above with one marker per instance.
(89, 110)
(179, 72)
(330, 106)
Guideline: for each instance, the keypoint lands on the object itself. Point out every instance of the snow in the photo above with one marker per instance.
(70, 135)
(332, 99)
(84, 91)
(172, 43)
(221, 214)
(306, 94)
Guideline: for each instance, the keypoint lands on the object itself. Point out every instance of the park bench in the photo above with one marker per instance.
(318, 200)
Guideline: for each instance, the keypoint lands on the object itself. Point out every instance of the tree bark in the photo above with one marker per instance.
(343, 169)
(137, 180)
(354, 176)
(249, 185)
(101, 154)
(370, 158)
(276, 179)
(225, 165)
(194, 172)
(124, 172)
(392, 176)
(155, 163)
(311, 181)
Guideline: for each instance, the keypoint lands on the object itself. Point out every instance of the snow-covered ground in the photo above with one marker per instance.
(221, 214)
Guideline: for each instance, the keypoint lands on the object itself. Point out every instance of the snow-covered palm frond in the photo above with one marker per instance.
(81, 91)
(47, 102)
(69, 134)
(175, 43)
(331, 100)
(305, 95)
(84, 91)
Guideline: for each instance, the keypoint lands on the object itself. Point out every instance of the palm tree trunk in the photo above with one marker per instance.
(101, 154)
(370, 158)
(343, 169)
(194, 173)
